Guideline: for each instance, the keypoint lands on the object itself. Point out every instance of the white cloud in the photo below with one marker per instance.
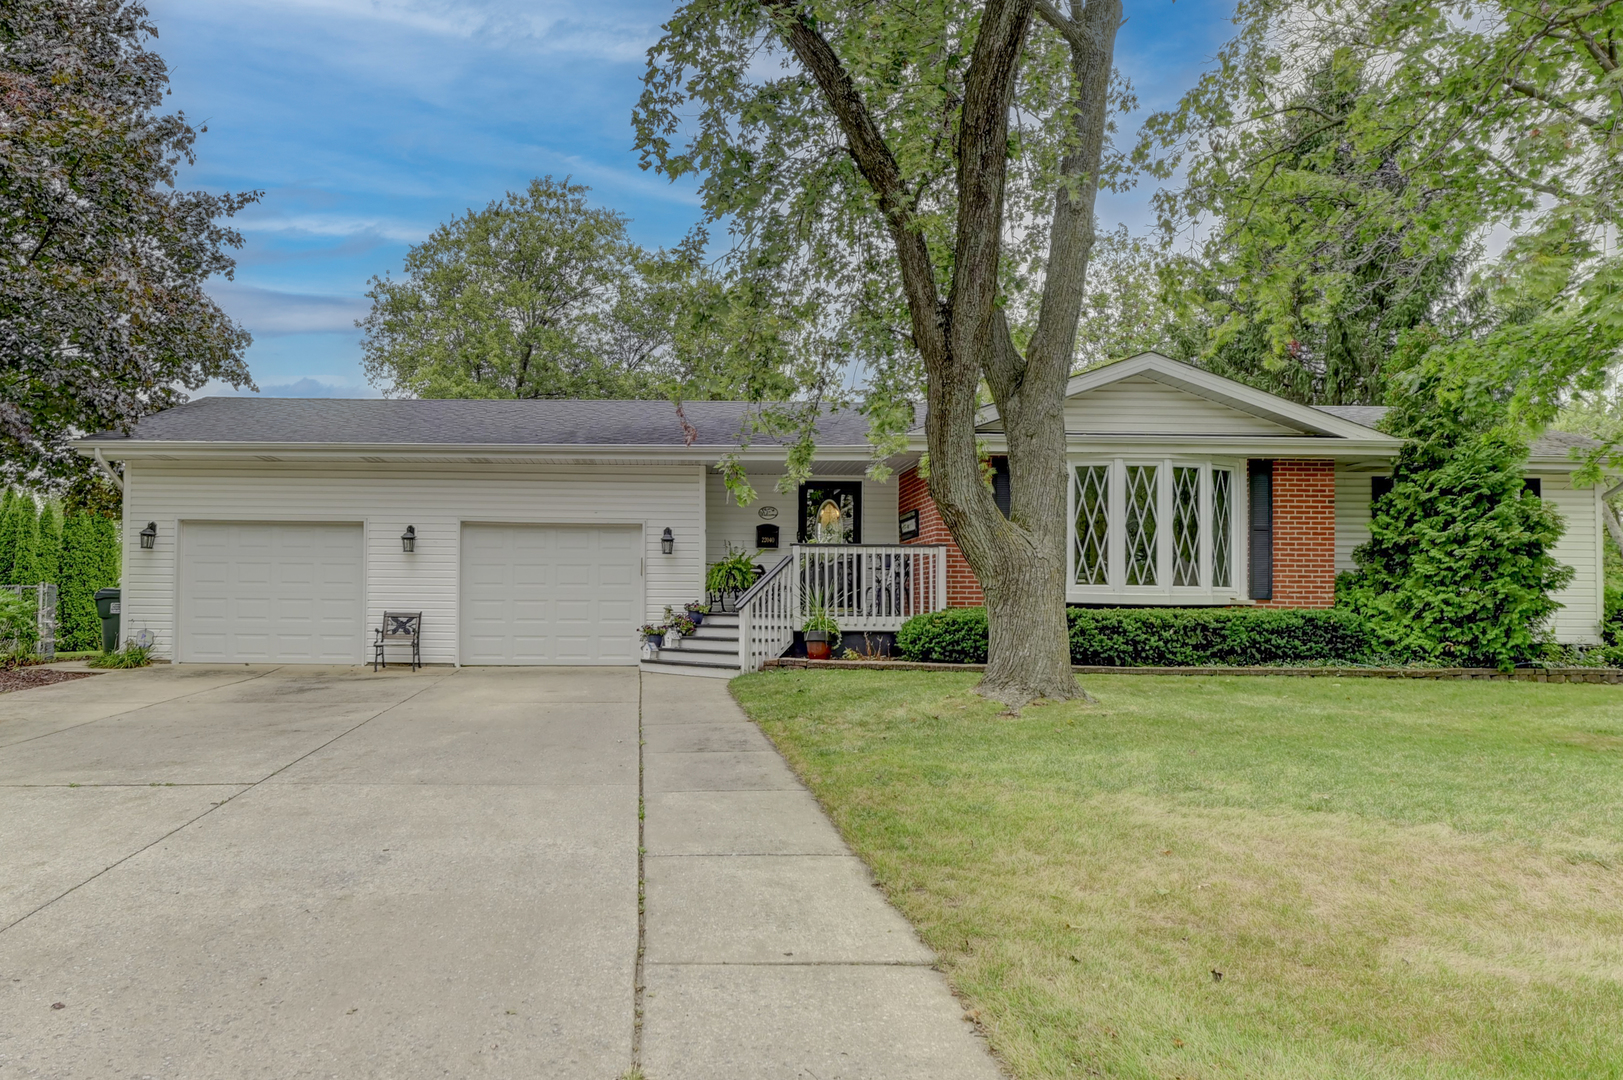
(545, 27)
(267, 311)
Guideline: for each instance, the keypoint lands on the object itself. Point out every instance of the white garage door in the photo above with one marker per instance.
(551, 594)
(264, 593)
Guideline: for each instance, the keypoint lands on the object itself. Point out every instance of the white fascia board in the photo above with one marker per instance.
(397, 452)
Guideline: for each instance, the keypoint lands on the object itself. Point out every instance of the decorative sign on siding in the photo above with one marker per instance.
(767, 513)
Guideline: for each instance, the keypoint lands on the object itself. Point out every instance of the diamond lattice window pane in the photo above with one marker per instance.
(1222, 528)
(1141, 524)
(1092, 525)
(1185, 526)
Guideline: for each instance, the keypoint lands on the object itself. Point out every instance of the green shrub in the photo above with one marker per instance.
(1458, 568)
(130, 656)
(953, 636)
(1162, 637)
(19, 626)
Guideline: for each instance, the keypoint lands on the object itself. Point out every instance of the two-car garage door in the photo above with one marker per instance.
(294, 593)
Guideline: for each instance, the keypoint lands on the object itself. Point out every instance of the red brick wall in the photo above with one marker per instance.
(913, 493)
(1304, 534)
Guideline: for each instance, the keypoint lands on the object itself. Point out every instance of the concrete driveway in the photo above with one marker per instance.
(297, 872)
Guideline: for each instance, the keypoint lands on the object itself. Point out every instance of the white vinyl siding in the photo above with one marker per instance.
(1142, 406)
(266, 593)
(550, 594)
(732, 524)
(385, 498)
(1578, 621)
(1352, 511)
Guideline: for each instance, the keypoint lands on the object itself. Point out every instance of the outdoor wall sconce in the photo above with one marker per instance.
(666, 541)
(408, 539)
(149, 536)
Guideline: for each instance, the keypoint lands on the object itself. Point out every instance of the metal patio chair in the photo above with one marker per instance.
(400, 628)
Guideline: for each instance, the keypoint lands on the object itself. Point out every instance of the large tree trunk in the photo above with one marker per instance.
(1020, 561)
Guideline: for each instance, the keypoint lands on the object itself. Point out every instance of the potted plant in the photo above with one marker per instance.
(731, 576)
(821, 632)
(696, 613)
(677, 629)
(652, 633)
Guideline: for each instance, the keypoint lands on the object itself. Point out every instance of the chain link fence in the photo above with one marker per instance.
(43, 597)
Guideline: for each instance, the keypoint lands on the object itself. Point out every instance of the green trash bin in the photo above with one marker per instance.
(108, 608)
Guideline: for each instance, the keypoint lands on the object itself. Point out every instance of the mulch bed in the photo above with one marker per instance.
(26, 678)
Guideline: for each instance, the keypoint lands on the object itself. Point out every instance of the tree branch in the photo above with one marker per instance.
(877, 165)
(1528, 90)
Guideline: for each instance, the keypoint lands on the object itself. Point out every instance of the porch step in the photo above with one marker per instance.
(711, 651)
(704, 665)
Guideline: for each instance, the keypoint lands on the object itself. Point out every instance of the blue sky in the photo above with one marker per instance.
(368, 122)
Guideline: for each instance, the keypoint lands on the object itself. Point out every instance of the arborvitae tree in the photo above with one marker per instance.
(48, 557)
(1458, 567)
(19, 540)
(6, 505)
(90, 559)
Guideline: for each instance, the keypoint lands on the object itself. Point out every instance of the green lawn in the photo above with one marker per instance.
(1394, 878)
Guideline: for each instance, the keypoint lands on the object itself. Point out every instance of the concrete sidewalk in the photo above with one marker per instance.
(768, 950)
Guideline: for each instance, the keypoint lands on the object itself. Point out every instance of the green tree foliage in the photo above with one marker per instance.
(1352, 156)
(543, 295)
(103, 314)
(7, 542)
(1458, 567)
(19, 541)
(48, 560)
(89, 561)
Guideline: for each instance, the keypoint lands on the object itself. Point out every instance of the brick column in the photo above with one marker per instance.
(1304, 534)
(913, 493)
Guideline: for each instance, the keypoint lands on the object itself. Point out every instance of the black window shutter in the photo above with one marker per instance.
(1000, 484)
(1378, 486)
(1262, 530)
(1534, 485)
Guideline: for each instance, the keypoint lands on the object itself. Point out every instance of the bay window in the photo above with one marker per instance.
(1160, 530)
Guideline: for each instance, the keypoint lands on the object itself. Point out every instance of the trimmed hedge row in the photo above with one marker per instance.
(1162, 637)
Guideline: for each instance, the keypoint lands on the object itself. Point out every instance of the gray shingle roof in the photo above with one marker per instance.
(1549, 445)
(1368, 415)
(459, 422)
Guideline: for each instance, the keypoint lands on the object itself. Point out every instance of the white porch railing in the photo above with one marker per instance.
(862, 586)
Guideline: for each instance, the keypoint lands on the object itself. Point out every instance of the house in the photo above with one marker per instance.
(543, 532)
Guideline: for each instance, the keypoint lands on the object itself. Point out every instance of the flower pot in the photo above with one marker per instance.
(654, 639)
(817, 645)
(695, 617)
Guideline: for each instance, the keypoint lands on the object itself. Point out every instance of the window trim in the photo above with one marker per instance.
(1163, 592)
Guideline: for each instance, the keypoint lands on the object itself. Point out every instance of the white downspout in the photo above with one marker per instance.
(118, 481)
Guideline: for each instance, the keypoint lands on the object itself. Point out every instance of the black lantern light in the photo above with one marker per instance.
(666, 541)
(408, 539)
(149, 536)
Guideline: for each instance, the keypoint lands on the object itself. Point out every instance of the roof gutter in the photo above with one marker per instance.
(118, 481)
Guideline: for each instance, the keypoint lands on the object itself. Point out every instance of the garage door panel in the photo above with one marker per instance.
(271, 593)
(550, 594)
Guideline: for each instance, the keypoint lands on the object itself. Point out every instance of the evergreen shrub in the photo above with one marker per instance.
(1162, 637)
